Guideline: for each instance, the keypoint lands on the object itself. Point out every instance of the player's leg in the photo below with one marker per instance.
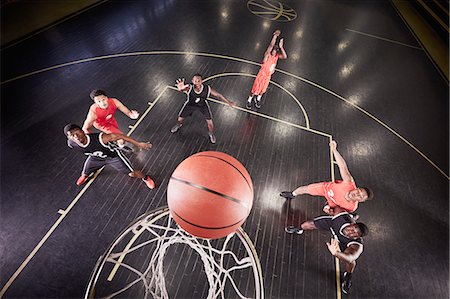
(89, 167)
(206, 111)
(185, 111)
(347, 276)
(123, 164)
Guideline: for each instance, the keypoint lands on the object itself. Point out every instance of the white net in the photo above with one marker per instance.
(155, 258)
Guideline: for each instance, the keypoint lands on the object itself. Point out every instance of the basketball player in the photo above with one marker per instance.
(102, 149)
(101, 115)
(347, 242)
(340, 193)
(197, 95)
(271, 56)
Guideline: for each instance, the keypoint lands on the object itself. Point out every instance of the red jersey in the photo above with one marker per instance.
(335, 195)
(105, 120)
(264, 74)
(268, 67)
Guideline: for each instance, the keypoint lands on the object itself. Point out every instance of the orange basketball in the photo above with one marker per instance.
(210, 194)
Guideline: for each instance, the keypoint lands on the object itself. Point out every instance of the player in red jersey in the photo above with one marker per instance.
(101, 115)
(271, 56)
(340, 193)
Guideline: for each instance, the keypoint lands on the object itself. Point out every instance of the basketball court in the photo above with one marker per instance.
(355, 73)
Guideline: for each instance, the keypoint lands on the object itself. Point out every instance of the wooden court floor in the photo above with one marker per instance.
(354, 73)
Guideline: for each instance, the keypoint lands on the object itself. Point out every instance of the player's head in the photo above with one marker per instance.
(275, 50)
(100, 98)
(197, 80)
(75, 133)
(360, 194)
(355, 230)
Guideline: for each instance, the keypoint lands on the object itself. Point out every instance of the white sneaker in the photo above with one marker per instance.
(212, 137)
(176, 128)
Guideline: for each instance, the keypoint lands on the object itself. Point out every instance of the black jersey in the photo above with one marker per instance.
(95, 147)
(198, 99)
(338, 223)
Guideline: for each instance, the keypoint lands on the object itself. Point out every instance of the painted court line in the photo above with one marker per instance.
(385, 39)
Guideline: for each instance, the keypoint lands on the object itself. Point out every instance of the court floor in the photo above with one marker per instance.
(355, 73)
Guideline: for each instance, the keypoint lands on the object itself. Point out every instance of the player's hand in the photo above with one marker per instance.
(333, 247)
(281, 43)
(180, 84)
(145, 145)
(232, 104)
(133, 114)
(333, 145)
(277, 32)
(327, 210)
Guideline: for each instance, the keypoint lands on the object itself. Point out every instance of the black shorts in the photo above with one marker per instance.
(187, 110)
(120, 163)
(323, 222)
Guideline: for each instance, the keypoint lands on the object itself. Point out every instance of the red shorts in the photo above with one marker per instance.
(260, 84)
(108, 129)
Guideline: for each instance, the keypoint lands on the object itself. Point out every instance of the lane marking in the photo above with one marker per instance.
(385, 39)
(239, 60)
(305, 115)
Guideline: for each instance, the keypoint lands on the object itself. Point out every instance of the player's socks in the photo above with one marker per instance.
(149, 182)
(249, 102)
(258, 101)
(287, 194)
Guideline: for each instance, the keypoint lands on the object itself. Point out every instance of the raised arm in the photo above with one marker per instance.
(133, 114)
(182, 87)
(343, 169)
(283, 54)
(114, 137)
(89, 122)
(216, 94)
(350, 254)
(272, 43)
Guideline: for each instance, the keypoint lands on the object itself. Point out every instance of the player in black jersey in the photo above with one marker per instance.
(347, 242)
(197, 95)
(102, 149)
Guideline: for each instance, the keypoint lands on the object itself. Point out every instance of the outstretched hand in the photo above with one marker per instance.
(333, 145)
(281, 42)
(333, 247)
(180, 84)
(232, 104)
(277, 32)
(145, 145)
(134, 114)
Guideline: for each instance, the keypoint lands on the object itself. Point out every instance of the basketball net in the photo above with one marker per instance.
(138, 254)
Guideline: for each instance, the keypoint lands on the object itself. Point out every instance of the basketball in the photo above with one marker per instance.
(210, 194)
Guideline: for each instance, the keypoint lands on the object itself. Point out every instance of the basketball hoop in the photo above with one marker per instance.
(139, 261)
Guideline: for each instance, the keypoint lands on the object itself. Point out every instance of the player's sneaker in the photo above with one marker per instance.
(258, 103)
(149, 182)
(176, 128)
(82, 179)
(248, 105)
(293, 230)
(212, 137)
(346, 284)
(287, 194)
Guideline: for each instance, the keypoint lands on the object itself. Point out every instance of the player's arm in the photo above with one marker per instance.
(181, 86)
(89, 122)
(218, 95)
(283, 54)
(114, 137)
(343, 169)
(272, 43)
(350, 254)
(133, 114)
